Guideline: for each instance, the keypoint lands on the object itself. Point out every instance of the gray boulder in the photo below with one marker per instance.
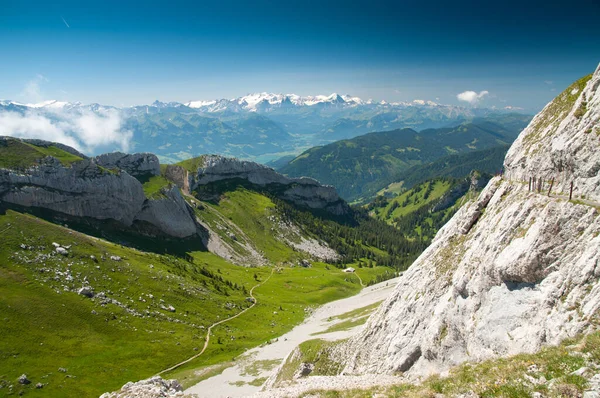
(155, 387)
(86, 291)
(24, 380)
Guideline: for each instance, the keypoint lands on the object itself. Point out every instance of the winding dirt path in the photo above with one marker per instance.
(360, 279)
(210, 328)
(246, 376)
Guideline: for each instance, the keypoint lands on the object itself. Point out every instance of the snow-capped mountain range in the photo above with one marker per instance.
(256, 101)
(251, 103)
(259, 126)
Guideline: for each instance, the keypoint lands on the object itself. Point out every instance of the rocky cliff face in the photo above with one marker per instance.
(85, 189)
(138, 165)
(82, 190)
(170, 214)
(301, 191)
(512, 271)
(562, 141)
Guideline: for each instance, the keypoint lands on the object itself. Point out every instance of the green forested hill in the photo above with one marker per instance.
(418, 213)
(454, 166)
(361, 166)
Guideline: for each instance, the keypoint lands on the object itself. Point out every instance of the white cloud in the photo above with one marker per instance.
(83, 130)
(472, 97)
(32, 91)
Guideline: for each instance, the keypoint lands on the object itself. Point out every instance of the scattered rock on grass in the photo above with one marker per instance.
(86, 291)
(24, 380)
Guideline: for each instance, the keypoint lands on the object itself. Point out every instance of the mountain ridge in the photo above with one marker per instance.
(361, 166)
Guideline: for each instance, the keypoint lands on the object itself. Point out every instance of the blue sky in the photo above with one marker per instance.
(124, 53)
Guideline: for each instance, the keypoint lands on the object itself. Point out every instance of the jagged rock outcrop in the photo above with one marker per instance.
(513, 270)
(137, 165)
(170, 214)
(303, 191)
(155, 387)
(180, 176)
(84, 189)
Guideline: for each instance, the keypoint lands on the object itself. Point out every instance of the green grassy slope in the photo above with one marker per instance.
(16, 154)
(421, 211)
(454, 166)
(411, 200)
(129, 333)
(361, 166)
(551, 372)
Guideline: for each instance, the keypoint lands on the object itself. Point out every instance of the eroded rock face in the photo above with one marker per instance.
(84, 189)
(510, 272)
(170, 214)
(81, 190)
(562, 142)
(136, 165)
(303, 191)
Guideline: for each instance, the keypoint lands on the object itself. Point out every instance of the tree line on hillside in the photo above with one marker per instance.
(357, 236)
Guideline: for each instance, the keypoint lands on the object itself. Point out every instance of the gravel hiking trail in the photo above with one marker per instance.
(257, 364)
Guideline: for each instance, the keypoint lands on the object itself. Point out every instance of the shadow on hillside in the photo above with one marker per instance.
(140, 235)
(214, 192)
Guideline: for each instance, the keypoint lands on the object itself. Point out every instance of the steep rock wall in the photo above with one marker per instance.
(300, 191)
(510, 272)
(170, 214)
(136, 165)
(84, 189)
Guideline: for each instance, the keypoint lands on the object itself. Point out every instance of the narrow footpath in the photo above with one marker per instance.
(250, 371)
(210, 328)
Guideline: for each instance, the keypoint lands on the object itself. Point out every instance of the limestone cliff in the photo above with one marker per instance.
(138, 165)
(84, 188)
(512, 271)
(303, 191)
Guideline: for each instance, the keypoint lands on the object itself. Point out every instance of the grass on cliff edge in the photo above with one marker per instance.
(46, 325)
(16, 154)
(504, 377)
(153, 187)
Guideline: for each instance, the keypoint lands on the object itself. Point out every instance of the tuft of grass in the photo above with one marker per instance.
(192, 164)
(256, 367)
(344, 325)
(154, 186)
(316, 352)
(258, 381)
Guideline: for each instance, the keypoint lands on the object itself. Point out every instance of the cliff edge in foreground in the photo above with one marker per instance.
(514, 270)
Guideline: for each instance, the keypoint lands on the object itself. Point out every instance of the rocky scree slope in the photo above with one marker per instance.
(101, 188)
(511, 272)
